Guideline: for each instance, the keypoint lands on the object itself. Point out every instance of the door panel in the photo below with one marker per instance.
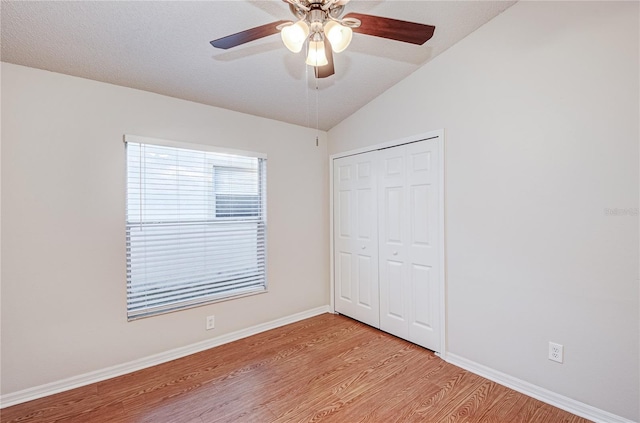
(395, 294)
(344, 213)
(423, 253)
(356, 237)
(394, 283)
(364, 281)
(393, 215)
(365, 214)
(409, 238)
(343, 279)
(419, 206)
(421, 284)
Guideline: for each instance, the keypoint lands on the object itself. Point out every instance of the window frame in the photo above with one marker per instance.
(262, 195)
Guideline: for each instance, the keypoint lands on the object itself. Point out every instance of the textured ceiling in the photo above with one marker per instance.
(163, 47)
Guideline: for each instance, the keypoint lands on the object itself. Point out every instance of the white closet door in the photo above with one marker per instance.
(423, 247)
(356, 238)
(394, 281)
(408, 246)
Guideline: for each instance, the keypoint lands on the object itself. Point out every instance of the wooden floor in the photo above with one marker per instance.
(324, 369)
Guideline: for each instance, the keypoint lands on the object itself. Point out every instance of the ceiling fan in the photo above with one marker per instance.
(319, 22)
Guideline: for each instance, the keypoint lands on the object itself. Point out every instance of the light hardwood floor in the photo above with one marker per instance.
(325, 369)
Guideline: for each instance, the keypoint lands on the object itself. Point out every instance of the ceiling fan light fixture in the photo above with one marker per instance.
(339, 36)
(320, 24)
(294, 36)
(317, 56)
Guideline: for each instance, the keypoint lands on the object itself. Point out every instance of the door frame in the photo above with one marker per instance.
(437, 135)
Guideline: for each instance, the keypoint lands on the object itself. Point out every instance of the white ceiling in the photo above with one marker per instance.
(163, 47)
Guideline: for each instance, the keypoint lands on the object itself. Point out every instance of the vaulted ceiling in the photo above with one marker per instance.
(163, 47)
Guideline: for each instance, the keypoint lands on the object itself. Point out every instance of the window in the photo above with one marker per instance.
(237, 192)
(195, 225)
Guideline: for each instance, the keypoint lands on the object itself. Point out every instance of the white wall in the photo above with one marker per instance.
(540, 110)
(63, 255)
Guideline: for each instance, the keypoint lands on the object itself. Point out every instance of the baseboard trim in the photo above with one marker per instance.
(565, 403)
(152, 360)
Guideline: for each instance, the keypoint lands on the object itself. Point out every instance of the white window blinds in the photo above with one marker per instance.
(196, 227)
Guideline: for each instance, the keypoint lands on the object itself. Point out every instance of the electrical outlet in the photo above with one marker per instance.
(556, 352)
(211, 322)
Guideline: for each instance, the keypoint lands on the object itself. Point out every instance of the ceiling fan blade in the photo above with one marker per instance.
(326, 70)
(247, 35)
(393, 29)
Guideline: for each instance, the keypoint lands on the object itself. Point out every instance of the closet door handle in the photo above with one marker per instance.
(364, 247)
(395, 253)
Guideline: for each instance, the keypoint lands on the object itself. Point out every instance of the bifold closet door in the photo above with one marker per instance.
(408, 242)
(356, 238)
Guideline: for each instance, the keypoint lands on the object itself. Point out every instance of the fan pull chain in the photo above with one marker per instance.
(317, 113)
(306, 89)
